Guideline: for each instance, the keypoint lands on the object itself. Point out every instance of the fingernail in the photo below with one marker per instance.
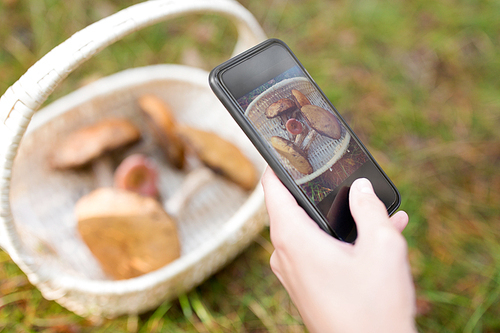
(364, 185)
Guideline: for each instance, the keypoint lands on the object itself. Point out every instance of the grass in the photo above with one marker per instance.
(417, 80)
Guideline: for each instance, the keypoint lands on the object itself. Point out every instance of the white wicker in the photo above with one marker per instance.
(24, 221)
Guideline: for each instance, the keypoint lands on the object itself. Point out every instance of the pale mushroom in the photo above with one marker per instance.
(300, 100)
(282, 108)
(296, 156)
(309, 139)
(214, 152)
(89, 144)
(129, 234)
(161, 120)
(297, 129)
(220, 155)
(321, 120)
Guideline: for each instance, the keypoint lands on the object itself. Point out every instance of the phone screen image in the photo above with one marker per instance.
(303, 132)
(313, 146)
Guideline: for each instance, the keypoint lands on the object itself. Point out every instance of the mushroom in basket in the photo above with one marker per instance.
(137, 173)
(220, 155)
(89, 144)
(318, 120)
(162, 122)
(128, 233)
(216, 153)
(125, 227)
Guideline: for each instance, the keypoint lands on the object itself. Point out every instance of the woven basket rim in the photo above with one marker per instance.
(120, 80)
(17, 109)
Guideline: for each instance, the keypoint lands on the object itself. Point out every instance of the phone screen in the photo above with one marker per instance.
(306, 134)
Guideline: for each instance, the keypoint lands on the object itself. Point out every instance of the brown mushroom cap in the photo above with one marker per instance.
(323, 121)
(162, 122)
(88, 143)
(220, 155)
(129, 234)
(300, 98)
(281, 106)
(292, 153)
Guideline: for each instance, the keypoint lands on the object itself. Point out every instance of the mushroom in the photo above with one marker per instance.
(281, 108)
(300, 99)
(321, 120)
(216, 153)
(195, 180)
(296, 156)
(299, 139)
(129, 234)
(294, 126)
(137, 173)
(220, 155)
(90, 143)
(162, 122)
(308, 139)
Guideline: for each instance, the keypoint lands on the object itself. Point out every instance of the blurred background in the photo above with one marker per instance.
(419, 82)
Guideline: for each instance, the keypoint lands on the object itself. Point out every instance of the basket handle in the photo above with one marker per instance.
(24, 97)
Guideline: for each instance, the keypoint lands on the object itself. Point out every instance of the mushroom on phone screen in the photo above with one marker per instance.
(321, 120)
(296, 156)
(300, 99)
(294, 126)
(282, 108)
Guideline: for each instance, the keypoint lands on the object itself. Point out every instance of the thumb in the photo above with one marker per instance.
(367, 210)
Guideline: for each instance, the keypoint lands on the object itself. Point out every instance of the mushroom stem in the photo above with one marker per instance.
(103, 171)
(300, 137)
(284, 119)
(309, 139)
(196, 179)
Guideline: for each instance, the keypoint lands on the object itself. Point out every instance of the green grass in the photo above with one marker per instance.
(417, 80)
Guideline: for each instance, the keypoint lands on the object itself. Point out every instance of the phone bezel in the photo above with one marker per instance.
(219, 87)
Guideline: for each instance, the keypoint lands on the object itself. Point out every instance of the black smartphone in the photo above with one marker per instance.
(300, 134)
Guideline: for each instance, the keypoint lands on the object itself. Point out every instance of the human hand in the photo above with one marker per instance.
(336, 286)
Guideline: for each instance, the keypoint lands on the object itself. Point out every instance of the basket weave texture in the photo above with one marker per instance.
(37, 226)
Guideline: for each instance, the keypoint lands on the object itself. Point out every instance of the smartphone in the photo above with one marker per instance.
(300, 134)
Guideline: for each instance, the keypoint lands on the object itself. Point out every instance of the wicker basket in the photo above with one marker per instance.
(37, 226)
